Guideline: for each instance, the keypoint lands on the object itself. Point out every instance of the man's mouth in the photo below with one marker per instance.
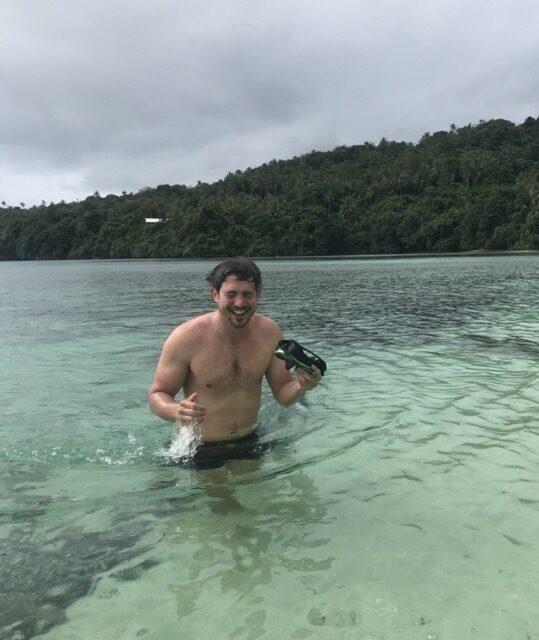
(239, 314)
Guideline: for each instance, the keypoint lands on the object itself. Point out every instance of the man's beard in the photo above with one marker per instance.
(239, 321)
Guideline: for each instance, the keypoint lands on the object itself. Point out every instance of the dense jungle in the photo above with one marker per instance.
(470, 188)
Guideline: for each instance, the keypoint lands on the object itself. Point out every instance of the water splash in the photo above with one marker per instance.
(184, 440)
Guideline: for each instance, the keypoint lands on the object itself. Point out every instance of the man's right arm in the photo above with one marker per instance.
(169, 379)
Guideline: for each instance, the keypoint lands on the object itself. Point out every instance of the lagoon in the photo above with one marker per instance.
(399, 500)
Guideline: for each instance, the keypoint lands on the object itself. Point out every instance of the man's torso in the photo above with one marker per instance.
(227, 376)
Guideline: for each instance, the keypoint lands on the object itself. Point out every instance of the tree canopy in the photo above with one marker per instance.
(474, 187)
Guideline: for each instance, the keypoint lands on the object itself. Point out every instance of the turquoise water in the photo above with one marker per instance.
(399, 500)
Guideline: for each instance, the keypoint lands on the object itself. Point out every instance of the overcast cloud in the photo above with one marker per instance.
(121, 94)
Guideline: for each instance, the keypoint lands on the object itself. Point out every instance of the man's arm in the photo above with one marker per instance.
(170, 377)
(285, 388)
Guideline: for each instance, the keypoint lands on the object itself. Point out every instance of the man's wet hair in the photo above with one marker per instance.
(243, 268)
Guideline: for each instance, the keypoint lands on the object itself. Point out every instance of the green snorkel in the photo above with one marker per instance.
(294, 355)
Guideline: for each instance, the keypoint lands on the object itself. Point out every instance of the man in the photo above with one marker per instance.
(219, 359)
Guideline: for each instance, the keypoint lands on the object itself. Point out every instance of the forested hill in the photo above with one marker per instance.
(475, 187)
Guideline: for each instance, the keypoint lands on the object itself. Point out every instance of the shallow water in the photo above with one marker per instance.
(399, 500)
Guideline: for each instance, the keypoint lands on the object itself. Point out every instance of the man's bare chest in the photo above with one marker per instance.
(222, 368)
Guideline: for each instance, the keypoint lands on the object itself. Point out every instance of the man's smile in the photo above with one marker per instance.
(239, 315)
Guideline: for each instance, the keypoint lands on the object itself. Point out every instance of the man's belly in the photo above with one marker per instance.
(229, 416)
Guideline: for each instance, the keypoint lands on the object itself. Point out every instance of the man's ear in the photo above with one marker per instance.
(214, 294)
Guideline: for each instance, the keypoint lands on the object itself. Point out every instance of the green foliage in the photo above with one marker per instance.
(475, 187)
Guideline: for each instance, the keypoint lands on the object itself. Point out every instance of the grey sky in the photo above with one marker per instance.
(122, 94)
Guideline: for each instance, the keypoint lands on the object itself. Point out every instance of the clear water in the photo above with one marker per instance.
(399, 501)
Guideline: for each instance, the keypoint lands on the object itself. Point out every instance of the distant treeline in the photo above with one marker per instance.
(475, 187)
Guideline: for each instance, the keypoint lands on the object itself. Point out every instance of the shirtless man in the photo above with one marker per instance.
(219, 359)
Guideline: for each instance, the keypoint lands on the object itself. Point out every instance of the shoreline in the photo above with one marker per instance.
(476, 253)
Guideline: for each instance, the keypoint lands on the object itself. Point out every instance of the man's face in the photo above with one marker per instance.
(237, 300)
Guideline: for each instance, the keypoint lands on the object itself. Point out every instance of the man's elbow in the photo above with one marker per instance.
(283, 397)
(285, 402)
(153, 400)
(150, 398)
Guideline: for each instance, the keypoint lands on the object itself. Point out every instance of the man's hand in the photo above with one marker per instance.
(288, 387)
(190, 411)
(308, 380)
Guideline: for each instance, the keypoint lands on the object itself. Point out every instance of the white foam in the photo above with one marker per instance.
(184, 440)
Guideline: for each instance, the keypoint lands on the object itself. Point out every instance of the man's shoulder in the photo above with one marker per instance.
(199, 323)
(268, 326)
(191, 330)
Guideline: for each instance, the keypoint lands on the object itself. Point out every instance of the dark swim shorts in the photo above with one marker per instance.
(212, 455)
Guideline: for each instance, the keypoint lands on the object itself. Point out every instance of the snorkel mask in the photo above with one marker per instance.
(295, 355)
